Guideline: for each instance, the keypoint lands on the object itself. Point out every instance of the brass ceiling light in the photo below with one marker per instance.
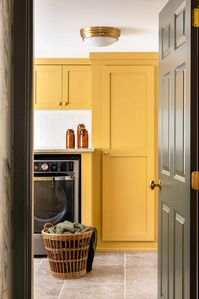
(100, 36)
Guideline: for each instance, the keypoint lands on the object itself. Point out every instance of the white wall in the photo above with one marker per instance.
(50, 126)
(57, 24)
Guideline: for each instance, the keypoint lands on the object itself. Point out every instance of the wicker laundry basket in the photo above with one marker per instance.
(67, 253)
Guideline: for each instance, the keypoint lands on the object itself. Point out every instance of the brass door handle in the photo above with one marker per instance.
(153, 185)
(59, 103)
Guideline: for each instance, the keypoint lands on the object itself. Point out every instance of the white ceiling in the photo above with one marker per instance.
(57, 24)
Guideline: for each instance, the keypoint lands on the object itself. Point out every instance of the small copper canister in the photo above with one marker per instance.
(83, 139)
(79, 128)
(70, 138)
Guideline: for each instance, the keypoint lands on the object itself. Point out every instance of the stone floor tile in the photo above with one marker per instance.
(101, 275)
(140, 282)
(47, 289)
(109, 258)
(92, 291)
(142, 261)
(37, 263)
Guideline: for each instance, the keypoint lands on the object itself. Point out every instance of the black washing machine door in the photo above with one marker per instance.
(53, 200)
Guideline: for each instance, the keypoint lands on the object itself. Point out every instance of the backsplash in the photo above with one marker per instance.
(50, 126)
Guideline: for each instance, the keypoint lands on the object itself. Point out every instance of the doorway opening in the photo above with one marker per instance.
(106, 158)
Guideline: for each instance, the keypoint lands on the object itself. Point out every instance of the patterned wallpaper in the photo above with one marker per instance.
(5, 148)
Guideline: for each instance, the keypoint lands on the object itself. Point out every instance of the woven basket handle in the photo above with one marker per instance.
(47, 225)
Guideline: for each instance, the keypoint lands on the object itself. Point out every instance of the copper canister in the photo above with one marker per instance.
(79, 128)
(70, 138)
(83, 139)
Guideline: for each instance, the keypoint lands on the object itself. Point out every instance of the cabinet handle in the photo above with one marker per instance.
(106, 152)
(66, 103)
(59, 103)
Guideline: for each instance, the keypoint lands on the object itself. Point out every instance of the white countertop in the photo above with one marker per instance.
(64, 150)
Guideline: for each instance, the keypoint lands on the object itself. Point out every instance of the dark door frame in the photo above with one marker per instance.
(22, 135)
(194, 152)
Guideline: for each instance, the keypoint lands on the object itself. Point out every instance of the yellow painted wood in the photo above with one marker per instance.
(62, 84)
(47, 86)
(77, 87)
(62, 61)
(141, 57)
(87, 188)
(128, 124)
(112, 159)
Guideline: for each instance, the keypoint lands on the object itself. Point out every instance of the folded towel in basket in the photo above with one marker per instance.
(68, 227)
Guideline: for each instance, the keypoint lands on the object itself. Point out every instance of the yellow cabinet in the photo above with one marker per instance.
(77, 86)
(62, 85)
(125, 138)
(128, 161)
(47, 86)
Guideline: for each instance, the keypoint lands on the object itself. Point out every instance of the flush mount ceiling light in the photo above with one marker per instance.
(100, 36)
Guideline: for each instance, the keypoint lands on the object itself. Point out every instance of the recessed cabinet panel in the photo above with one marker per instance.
(48, 86)
(165, 159)
(128, 130)
(125, 203)
(179, 122)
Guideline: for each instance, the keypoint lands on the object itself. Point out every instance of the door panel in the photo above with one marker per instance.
(77, 86)
(48, 86)
(174, 153)
(165, 253)
(128, 159)
(179, 121)
(166, 111)
(179, 255)
(179, 25)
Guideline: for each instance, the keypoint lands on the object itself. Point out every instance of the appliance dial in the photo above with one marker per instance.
(36, 167)
(44, 166)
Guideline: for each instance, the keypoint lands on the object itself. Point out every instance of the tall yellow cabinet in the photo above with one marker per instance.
(124, 126)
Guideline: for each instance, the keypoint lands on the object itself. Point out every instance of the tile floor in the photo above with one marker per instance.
(114, 276)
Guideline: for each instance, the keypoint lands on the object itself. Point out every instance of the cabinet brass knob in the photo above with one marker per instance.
(105, 152)
(59, 103)
(66, 103)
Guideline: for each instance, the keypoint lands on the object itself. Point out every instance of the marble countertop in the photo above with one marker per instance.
(63, 150)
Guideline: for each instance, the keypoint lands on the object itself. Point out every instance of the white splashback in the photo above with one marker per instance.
(50, 126)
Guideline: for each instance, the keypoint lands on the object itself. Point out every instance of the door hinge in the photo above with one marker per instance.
(195, 17)
(195, 180)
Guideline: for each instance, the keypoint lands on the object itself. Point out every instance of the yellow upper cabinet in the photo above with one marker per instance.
(48, 86)
(62, 84)
(77, 86)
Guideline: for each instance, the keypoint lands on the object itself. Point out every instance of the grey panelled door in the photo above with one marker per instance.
(174, 151)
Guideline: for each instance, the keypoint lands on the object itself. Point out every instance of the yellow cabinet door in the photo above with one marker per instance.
(77, 87)
(128, 156)
(48, 92)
